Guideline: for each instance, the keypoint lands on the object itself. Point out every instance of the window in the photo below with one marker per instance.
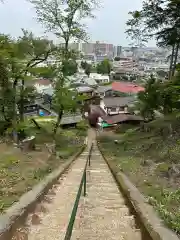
(121, 109)
(113, 109)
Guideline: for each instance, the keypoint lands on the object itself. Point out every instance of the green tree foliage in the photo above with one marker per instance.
(6, 94)
(47, 72)
(159, 96)
(69, 67)
(18, 57)
(84, 64)
(64, 18)
(64, 100)
(104, 67)
(159, 18)
(88, 69)
(149, 100)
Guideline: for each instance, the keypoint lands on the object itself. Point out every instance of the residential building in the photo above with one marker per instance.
(126, 87)
(99, 78)
(85, 91)
(116, 105)
(42, 84)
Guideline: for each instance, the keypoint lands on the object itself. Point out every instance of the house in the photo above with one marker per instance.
(99, 78)
(103, 90)
(126, 87)
(97, 115)
(116, 105)
(85, 91)
(124, 118)
(42, 84)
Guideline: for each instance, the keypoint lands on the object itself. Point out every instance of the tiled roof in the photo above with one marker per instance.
(126, 87)
(118, 101)
(102, 89)
(122, 118)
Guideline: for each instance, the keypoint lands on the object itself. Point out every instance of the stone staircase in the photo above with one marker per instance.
(51, 223)
(103, 214)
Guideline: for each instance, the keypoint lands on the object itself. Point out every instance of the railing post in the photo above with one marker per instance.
(85, 183)
(89, 155)
(89, 159)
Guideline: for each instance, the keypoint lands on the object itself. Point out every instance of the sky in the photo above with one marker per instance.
(108, 26)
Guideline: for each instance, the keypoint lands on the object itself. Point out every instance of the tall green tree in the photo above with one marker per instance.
(33, 51)
(104, 67)
(43, 72)
(64, 100)
(158, 18)
(64, 18)
(88, 69)
(84, 64)
(19, 56)
(69, 67)
(149, 100)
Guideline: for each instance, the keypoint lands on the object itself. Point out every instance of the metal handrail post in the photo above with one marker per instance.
(89, 160)
(89, 155)
(85, 183)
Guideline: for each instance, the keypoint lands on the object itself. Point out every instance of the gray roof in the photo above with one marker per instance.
(49, 91)
(84, 89)
(90, 81)
(118, 101)
(71, 119)
(102, 89)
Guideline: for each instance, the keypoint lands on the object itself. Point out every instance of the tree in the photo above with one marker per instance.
(104, 67)
(88, 69)
(63, 101)
(33, 51)
(6, 95)
(84, 64)
(149, 100)
(64, 18)
(69, 67)
(47, 72)
(18, 57)
(161, 19)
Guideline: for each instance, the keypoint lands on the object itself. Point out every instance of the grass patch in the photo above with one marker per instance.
(19, 171)
(152, 162)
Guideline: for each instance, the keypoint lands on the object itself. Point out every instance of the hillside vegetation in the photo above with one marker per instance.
(150, 156)
(21, 170)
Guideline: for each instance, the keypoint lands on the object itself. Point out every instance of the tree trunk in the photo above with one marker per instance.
(175, 59)
(58, 122)
(66, 49)
(14, 121)
(171, 62)
(21, 110)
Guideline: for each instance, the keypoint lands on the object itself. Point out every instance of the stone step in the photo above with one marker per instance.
(96, 234)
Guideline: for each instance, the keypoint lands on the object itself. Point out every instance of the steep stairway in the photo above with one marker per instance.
(50, 218)
(103, 214)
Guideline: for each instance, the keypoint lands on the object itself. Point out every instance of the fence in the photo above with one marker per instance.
(76, 203)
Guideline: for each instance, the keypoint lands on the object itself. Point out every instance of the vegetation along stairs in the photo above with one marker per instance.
(102, 213)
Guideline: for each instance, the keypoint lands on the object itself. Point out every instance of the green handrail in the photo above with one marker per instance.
(76, 203)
